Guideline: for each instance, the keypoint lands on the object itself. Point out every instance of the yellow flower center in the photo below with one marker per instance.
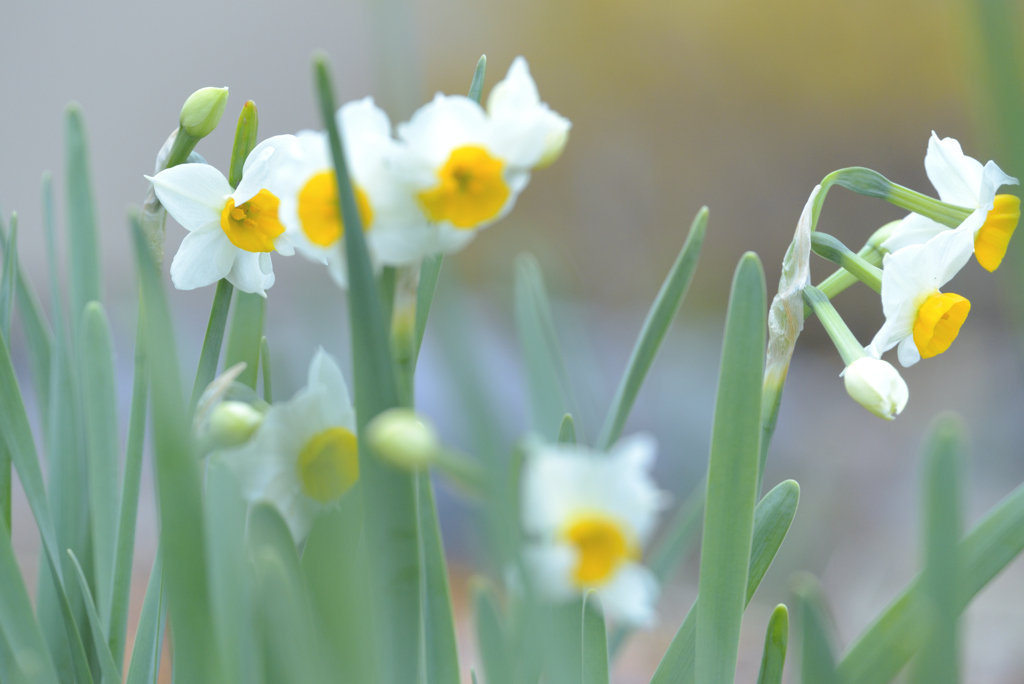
(329, 464)
(938, 323)
(320, 214)
(992, 239)
(471, 189)
(602, 546)
(253, 225)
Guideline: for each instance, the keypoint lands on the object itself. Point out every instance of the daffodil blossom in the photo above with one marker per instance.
(587, 516)
(466, 166)
(304, 455)
(919, 318)
(963, 181)
(231, 230)
(309, 188)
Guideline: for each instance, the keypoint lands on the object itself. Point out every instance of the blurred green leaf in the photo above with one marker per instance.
(818, 664)
(490, 635)
(440, 650)
(430, 271)
(149, 637)
(564, 643)
(206, 371)
(100, 402)
(732, 478)
(8, 280)
(243, 339)
(772, 518)
(268, 388)
(659, 318)
(595, 641)
(776, 639)
(245, 141)
(567, 430)
(177, 479)
(477, 86)
(111, 675)
(83, 242)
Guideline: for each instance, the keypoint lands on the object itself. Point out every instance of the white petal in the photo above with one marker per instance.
(907, 352)
(324, 372)
(956, 177)
(913, 230)
(252, 272)
(204, 257)
(992, 179)
(194, 194)
(402, 245)
(445, 123)
(551, 567)
(630, 596)
(516, 92)
(261, 165)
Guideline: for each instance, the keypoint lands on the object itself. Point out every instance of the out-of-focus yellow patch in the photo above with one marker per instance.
(602, 545)
(329, 464)
(252, 225)
(319, 213)
(471, 189)
(938, 323)
(993, 238)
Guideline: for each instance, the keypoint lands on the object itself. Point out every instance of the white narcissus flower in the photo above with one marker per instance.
(587, 516)
(963, 181)
(466, 166)
(309, 188)
(232, 231)
(876, 386)
(919, 318)
(305, 454)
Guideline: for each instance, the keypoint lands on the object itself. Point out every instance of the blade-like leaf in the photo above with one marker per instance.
(567, 430)
(111, 675)
(268, 388)
(213, 340)
(243, 338)
(430, 271)
(818, 664)
(83, 244)
(595, 641)
(776, 639)
(772, 518)
(490, 634)
(732, 479)
(477, 86)
(441, 654)
(8, 281)
(659, 319)
(149, 637)
(564, 643)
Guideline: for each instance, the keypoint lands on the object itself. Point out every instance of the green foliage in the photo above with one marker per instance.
(776, 639)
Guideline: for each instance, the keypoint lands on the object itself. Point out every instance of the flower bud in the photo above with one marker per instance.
(231, 423)
(403, 438)
(876, 386)
(554, 145)
(202, 111)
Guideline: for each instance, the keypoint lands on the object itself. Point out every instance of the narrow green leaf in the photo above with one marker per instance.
(567, 430)
(818, 664)
(477, 86)
(772, 518)
(430, 271)
(490, 635)
(659, 318)
(564, 643)
(595, 641)
(83, 243)
(268, 388)
(547, 378)
(149, 638)
(210, 355)
(243, 338)
(245, 141)
(388, 493)
(776, 639)
(440, 652)
(111, 675)
(24, 656)
(128, 513)
(8, 281)
(97, 364)
(732, 478)
(177, 478)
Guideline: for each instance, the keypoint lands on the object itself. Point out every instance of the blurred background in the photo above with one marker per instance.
(740, 105)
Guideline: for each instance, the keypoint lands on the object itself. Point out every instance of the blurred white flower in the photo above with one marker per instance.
(587, 516)
(963, 181)
(876, 386)
(467, 166)
(919, 318)
(305, 454)
(231, 230)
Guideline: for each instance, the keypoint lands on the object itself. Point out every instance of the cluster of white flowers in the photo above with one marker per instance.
(452, 170)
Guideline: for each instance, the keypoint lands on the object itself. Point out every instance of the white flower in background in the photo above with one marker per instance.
(876, 386)
(309, 187)
(964, 182)
(587, 516)
(231, 230)
(919, 318)
(466, 166)
(305, 454)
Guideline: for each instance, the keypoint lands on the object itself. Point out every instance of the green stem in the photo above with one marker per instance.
(212, 343)
(830, 248)
(847, 345)
(181, 148)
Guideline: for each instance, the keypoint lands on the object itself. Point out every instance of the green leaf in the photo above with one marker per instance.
(441, 653)
(111, 675)
(490, 635)
(83, 242)
(477, 86)
(772, 518)
(659, 318)
(818, 664)
(732, 478)
(564, 643)
(23, 653)
(245, 141)
(8, 281)
(177, 479)
(243, 339)
(430, 271)
(268, 388)
(776, 639)
(210, 355)
(149, 637)
(595, 641)
(388, 493)
(97, 364)
(567, 430)
(546, 375)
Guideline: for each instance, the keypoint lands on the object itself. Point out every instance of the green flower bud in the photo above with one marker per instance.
(202, 111)
(231, 423)
(403, 438)
(876, 386)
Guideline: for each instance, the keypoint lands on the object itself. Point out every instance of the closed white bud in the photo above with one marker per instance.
(876, 386)
(231, 423)
(202, 111)
(401, 437)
